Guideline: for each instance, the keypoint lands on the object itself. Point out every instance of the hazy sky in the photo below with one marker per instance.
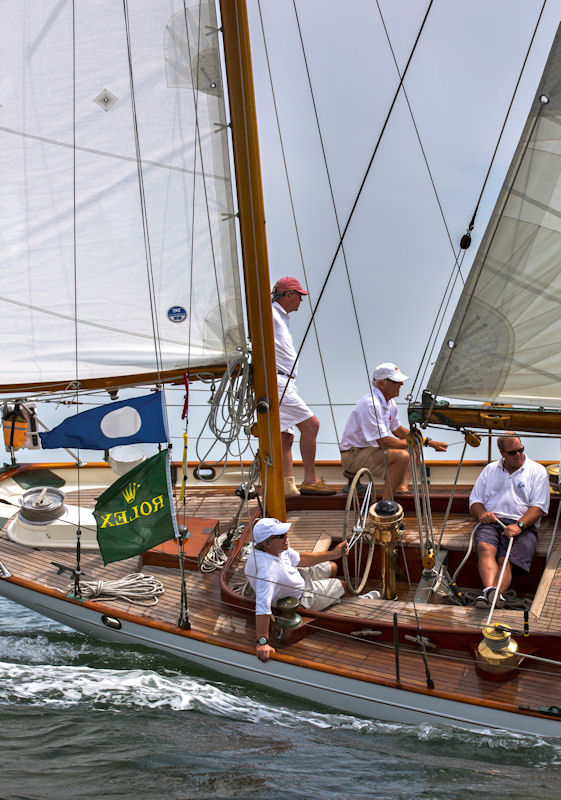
(399, 257)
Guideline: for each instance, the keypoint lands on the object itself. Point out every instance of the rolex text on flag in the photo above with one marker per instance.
(136, 512)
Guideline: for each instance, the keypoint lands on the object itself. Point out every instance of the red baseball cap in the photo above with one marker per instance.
(287, 284)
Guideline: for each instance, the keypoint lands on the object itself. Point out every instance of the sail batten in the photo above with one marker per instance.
(86, 245)
(504, 341)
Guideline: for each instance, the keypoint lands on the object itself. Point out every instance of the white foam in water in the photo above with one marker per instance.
(65, 686)
(62, 686)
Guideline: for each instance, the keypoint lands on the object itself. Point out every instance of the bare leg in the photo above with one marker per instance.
(286, 440)
(487, 564)
(398, 473)
(308, 435)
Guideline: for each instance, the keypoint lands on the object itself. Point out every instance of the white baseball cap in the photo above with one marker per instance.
(389, 371)
(268, 526)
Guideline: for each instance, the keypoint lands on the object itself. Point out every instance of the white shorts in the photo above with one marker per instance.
(293, 409)
(320, 589)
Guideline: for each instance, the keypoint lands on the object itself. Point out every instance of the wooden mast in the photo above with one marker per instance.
(254, 248)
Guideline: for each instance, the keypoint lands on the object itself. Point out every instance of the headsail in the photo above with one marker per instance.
(504, 341)
(116, 192)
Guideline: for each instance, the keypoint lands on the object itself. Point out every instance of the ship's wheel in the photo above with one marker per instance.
(357, 562)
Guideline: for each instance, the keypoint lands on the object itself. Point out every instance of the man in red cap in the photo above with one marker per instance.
(287, 295)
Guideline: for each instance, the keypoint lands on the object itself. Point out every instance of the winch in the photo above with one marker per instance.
(385, 518)
(497, 653)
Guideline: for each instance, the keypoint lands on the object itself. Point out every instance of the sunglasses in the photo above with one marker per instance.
(514, 452)
(276, 536)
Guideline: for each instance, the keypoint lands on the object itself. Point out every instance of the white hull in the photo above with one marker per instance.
(343, 694)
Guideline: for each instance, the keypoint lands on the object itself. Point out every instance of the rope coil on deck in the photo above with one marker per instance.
(135, 588)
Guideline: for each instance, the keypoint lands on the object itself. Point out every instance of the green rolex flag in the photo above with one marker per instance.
(136, 512)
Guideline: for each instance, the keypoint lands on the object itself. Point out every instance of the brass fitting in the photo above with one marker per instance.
(383, 520)
(497, 653)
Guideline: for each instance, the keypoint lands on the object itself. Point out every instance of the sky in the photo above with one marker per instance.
(397, 253)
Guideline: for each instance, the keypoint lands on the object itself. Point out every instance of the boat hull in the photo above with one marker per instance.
(348, 695)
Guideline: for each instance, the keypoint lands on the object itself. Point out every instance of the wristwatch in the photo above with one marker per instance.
(262, 641)
(520, 524)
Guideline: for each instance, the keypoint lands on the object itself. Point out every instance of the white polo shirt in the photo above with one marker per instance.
(285, 353)
(272, 577)
(372, 418)
(511, 494)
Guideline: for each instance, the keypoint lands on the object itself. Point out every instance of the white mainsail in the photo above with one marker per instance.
(116, 192)
(504, 340)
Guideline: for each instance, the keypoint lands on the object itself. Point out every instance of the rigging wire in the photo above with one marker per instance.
(290, 194)
(142, 199)
(342, 233)
(365, 177)
(76, 589)
(442, 311)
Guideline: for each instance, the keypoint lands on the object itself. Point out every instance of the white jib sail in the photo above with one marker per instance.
(116, 192)
(504, 341)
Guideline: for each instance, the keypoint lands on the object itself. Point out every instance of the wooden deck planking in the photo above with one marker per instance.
(232, 627)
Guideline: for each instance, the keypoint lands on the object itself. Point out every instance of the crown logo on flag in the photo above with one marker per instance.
(129, 492)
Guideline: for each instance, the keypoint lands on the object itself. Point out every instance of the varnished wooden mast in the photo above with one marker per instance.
(254, 247)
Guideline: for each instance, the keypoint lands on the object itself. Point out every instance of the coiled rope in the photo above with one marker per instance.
(143, 590)
(231, 409)
(216, 556)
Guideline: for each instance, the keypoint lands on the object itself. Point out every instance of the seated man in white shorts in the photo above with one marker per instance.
(274, 570)
(287, 295)
(374, 437)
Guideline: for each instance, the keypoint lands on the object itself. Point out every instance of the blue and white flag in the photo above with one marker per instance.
(140, 419)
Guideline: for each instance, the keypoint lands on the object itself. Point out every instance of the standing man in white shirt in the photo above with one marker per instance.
(287, 295)
(514, 490)
(374, 437)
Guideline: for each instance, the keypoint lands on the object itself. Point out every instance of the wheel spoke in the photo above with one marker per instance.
(357, 562)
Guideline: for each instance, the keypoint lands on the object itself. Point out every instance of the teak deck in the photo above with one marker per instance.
(232, 626)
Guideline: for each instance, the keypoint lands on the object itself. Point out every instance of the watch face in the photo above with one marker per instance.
(262, 640)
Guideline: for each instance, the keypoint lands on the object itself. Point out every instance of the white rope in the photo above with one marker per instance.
(136, 588)
(216, 556)
(231, 409)
(498, 589)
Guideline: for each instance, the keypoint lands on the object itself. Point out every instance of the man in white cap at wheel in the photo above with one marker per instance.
(274, 570)
(286, 296)
(374, 437)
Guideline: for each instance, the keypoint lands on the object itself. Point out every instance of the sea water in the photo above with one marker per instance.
(83, 719)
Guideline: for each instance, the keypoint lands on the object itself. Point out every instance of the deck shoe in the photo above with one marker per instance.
(372, 595)
(481, 601)
(319, 487)
(490, 596)
(360, 488)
